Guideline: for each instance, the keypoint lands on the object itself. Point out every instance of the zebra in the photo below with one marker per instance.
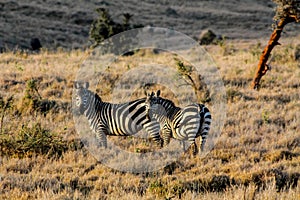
(186, 123)
(114, 119)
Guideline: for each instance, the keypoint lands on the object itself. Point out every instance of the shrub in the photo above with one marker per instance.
(31, 97)
(4, 106)
(104, 26)
(33, 102)
(158, 188)
(207, 37)
(193, 79)
(30, 141)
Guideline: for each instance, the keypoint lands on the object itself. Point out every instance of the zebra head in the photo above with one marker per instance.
(152, 103)
(82, 96)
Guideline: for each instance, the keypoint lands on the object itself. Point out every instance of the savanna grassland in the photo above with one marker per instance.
(256, 157)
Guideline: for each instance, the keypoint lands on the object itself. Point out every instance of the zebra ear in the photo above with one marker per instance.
(148, 95)
(86, 85)
(158, 93)
(76, 85)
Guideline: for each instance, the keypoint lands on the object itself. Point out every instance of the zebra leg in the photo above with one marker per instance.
(182, 145)
(101, 135)
(155, 136)
(157, 140)
(192, 142)
(195, 149)
(166, 136)
(202, 144)
(153, 130)
(203, 133)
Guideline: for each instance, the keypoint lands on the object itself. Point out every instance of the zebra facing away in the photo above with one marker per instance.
(183, 124)
(114, 119)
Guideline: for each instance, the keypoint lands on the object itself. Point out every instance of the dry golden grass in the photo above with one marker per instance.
(256, 157)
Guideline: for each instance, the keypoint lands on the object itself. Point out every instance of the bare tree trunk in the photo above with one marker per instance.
(273, 41)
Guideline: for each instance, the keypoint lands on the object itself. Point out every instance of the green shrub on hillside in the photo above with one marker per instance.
(104, 26)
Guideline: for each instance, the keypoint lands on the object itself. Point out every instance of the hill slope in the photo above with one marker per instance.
(66, 23)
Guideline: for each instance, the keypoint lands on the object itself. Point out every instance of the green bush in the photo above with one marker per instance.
(29, 141)
(33, 102)
(158, 188)
(189, 75)
(5, 105)
(31, 97)
(104, 26)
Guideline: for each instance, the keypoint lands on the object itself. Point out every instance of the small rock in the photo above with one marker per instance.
(35, 44)
(207, 37)
(171, 12)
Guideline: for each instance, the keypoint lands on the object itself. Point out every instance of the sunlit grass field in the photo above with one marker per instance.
(256, 157)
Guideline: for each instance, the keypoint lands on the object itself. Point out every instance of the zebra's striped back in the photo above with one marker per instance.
(187, 123)
(114, 119)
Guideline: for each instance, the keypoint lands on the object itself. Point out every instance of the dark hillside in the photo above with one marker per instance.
(66, 23)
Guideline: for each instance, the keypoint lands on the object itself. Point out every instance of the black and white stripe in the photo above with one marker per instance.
(205, 123)
(114, 119)
(186, 123)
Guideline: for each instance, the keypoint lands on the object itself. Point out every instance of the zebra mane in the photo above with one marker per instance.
(96, 96)
(169, 107)
(167, 102)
